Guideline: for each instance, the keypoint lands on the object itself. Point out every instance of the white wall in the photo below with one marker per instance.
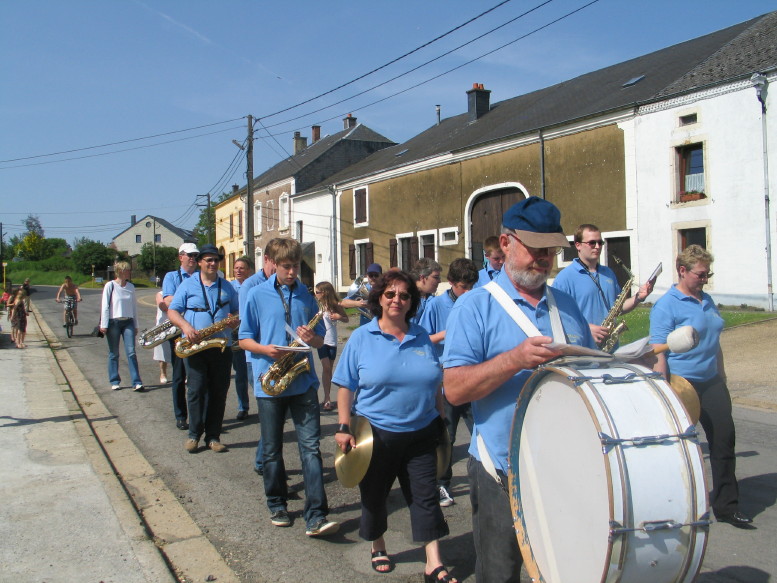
(729, 126)
(316, 213)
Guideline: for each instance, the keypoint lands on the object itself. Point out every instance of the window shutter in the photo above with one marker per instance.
(413, 251)
(352, 261)
(370, 259)
(393, 253)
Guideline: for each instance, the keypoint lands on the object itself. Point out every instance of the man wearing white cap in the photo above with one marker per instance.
(187, 255)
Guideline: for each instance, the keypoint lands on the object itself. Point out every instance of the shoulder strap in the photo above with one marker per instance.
(522, 319)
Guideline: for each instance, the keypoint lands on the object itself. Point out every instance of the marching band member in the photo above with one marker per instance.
(243, 268)
(686, 304)
(200, 301)
(354, 300)
(594, 286)
(427, 278)
(269, 308)
(494, 258)
(488, 358)
(187, 256)
(393, 365)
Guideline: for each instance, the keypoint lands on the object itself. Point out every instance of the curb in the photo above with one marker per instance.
(185, 548)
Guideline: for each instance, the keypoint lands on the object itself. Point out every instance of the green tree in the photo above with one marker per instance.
(87, 253)
(165, 258)
(11, 250)
(206, 223)
(32, 247)
(56, 247)
(32, 224)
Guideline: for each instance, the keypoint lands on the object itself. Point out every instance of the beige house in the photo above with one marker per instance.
(230, 229)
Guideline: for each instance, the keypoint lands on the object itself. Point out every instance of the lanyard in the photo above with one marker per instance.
(217, 305)
(595, 279)
(286, 306)
(452, 295)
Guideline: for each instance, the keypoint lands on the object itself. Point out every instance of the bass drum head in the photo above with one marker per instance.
(562, 521)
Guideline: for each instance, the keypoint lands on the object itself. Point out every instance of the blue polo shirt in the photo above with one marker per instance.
(575, 281)
(263, 319)
(479, 329)
(422, 304)
(397, 381)
(250, 282)
(485, 275)
(675, 309)
(190, 301)
(172, 280)
(435, 317)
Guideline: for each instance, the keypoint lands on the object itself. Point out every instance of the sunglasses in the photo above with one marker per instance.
(211, 260)
(592, 244)
(702, 274)
(390, 295)
(192, 255)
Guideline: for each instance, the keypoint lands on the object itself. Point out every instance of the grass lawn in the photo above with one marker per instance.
(58, 277)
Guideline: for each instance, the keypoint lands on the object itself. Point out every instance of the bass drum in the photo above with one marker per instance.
(606, 477)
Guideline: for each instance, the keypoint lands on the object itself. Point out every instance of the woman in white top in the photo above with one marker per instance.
(119, 320)
(333, 313)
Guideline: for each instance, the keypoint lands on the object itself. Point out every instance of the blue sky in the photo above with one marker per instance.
(77, 74)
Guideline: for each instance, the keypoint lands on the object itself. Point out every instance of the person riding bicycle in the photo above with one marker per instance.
(71, 293)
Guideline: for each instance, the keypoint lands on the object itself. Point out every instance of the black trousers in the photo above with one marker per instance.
(718, 424)
(179, 384)
(412, 457)
(209, 373)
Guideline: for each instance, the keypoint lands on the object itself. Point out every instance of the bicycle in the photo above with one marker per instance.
(70, 318)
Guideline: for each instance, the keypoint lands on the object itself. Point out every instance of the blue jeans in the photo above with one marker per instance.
(306, 417)
(125, 330)
(258, 466)
(240, 366)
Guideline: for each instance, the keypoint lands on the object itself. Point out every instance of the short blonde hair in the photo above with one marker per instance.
(692, 255)
(121, 266)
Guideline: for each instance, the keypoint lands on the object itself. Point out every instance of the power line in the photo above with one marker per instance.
(375, 70)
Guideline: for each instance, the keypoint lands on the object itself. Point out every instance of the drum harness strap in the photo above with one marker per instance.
(528, 328)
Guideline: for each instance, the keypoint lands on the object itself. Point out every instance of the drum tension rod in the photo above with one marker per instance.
(609, 379)
(617, 529)
(610, 442)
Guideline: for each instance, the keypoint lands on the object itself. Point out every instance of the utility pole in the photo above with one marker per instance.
(208, 217)
(249, 214)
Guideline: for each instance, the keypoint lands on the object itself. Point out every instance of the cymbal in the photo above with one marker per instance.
(351, 467)
(444, 450)
(687, 394)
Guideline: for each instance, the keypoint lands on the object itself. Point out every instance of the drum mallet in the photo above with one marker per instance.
(680, 340)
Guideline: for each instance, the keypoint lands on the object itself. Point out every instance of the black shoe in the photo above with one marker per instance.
(241, 415)
(737, 519)
(259, 471)
(181, 424)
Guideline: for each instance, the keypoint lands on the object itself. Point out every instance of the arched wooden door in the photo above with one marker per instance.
(486, 216)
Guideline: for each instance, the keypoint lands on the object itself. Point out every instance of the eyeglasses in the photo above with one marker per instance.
(703, 274)
(592, 244)
(539, 251)
(373, 275)
(211, 260)
(192, 255)
(390, 295)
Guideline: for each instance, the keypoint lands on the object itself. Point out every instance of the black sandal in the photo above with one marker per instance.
(381, 562)
(433, 576)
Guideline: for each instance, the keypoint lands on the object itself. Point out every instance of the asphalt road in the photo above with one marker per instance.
(225, 497)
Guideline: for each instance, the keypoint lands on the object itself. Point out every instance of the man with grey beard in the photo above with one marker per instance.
(488, 357)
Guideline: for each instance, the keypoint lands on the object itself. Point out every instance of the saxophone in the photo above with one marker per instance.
(616, 327)
(155, 336)
(289, 366)
(184, 348)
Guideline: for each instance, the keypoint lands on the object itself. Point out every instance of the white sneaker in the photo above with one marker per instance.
(445, 498)
(115, 387)
(139, 389)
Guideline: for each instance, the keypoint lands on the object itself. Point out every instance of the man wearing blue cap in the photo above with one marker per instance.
(488, 357)
(354, 298)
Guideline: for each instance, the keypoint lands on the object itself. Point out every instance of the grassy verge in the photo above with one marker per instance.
(57, 277)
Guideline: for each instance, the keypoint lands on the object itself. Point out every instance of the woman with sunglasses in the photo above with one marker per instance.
(686, 304)
(394, 367)
(333, 313)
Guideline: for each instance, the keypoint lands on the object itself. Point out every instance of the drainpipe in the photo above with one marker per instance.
(333, 239)
(761, 85)
(542, 164)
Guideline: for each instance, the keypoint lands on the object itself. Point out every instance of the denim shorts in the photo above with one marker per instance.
(327, 351)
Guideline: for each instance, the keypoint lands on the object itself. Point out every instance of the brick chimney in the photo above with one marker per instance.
(235, 188)
(349, 122)
(478, 101)
(300, 143)
(315, 132)
(133, 220)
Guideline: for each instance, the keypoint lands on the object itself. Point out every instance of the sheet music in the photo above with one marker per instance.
(293, 348)
(656, 272)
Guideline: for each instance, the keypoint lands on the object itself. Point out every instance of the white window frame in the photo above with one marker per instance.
(421, 235)
(445, 231)
(283, 212)
(366, 189)
(257, 218)
(270, 207)
(357, 254)
(400, 237)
